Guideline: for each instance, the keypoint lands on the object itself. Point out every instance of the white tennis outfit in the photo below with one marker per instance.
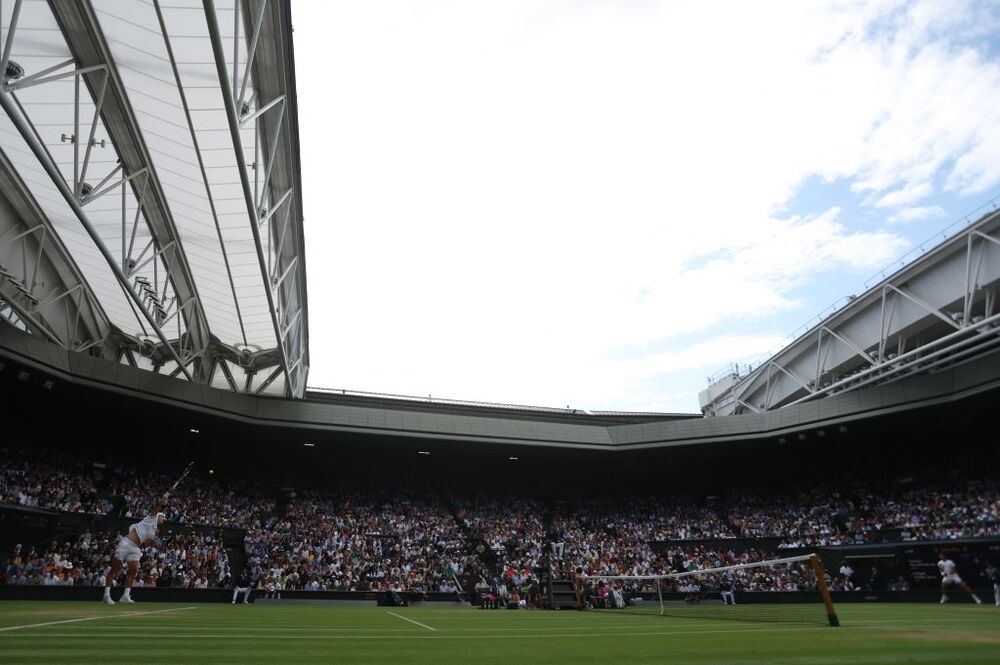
(947, 569)
(145, 529)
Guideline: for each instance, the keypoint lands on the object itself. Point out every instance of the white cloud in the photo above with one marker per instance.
(906, 195)
(916, 213)
(503, 197)
(978, 169)
(935, 106)
(703, 355)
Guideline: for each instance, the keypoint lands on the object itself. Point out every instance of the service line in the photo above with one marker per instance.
(400, 616)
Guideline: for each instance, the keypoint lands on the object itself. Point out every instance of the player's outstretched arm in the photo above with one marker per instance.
(161, 503)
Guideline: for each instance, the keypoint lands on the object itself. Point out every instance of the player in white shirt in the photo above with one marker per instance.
(847, 573)
(949, 577)
(129, 551)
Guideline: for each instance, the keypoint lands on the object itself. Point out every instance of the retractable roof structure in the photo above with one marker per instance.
(941, 309)
(150, 196)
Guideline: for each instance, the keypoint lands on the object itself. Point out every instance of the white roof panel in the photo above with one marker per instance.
(38, 45)
(139, 47)
(181, 119)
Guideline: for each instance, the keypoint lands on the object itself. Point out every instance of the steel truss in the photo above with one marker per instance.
(936, 312)
(33, 310)
(153, 273)
(265, 204)
(151, 299)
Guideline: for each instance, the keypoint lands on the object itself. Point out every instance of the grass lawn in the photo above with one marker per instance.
(81, 633)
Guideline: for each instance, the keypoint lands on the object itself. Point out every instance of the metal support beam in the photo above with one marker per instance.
(920, 303)
(291, 324)
(273, 268)
(269, 164)
(178, 310)
(891, 326)
(201, 163)
(794, 377)
(13, 112)
(245, 122)
(11, 28)
(849, 344)
(172, 245)
(887, 368)
(748, 406)
(98, 192)
(248, 192)
(85, 39)
(228, 375)
(52, 299)
(38, 79)
(288, 270)
(275, 207)
(251, 53)
(45, 263)
(269, 380)
(27, 81)
(972, 275)
(33, 323)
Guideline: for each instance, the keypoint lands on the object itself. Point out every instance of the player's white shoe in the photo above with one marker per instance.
(126, 599)
(108, 601)
(944, 599)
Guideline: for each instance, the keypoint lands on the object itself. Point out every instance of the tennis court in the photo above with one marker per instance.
(80, 633)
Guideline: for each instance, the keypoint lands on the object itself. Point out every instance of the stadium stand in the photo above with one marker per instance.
(178, 560)
(423, 541)
(355, 542)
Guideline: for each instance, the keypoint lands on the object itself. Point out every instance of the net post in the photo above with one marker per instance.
(659, 593)
(824, 591)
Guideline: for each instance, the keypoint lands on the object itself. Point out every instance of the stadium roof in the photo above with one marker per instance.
(152, 202)
(934, 311)
(151, 215)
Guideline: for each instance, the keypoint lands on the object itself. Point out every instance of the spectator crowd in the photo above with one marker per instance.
(351, 540)
(355, 542)
(177, 560)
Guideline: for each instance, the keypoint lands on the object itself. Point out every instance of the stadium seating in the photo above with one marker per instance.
(422, 541)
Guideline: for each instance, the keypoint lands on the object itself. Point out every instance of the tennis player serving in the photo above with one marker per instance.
(129, 548)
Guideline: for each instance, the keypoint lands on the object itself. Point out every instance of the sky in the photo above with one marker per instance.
(599, 204)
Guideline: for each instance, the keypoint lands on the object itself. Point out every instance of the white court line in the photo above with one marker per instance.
(415, 636)
(728, 625)
(106, 616)
(666, 633)
(256, 629)
(400, 616)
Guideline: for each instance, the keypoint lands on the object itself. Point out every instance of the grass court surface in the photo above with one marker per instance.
(82, 633)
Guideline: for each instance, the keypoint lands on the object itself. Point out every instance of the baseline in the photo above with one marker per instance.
(106, 616)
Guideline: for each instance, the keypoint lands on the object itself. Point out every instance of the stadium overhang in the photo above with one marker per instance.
(416, 424)
(151, 192)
